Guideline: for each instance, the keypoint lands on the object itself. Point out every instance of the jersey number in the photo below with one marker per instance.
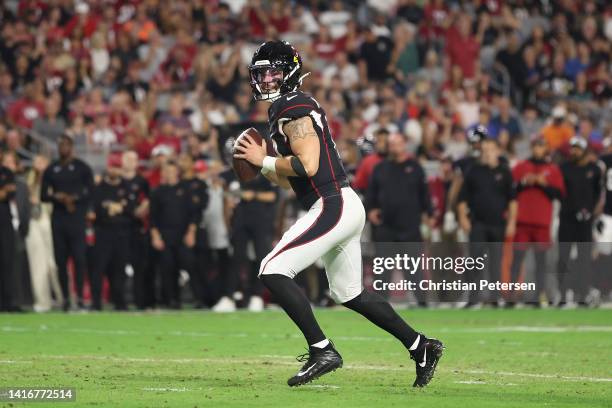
(316, 116)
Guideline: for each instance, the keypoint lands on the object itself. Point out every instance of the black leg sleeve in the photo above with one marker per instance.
(294, 302)
(373, 307)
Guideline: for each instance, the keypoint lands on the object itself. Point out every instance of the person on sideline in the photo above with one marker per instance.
(39, 243)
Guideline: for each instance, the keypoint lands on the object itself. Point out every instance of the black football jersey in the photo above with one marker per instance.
(607, 161)
(330, 177)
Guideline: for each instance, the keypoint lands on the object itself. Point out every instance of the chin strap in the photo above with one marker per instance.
(302, 77)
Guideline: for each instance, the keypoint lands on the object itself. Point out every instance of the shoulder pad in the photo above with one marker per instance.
(293, 105)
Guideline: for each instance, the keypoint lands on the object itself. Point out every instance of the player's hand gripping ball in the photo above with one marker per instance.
(250, 149)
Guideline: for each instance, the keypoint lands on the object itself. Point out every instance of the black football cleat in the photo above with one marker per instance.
(426, 358)
(318, 362)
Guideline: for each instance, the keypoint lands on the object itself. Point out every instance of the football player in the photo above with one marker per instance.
(307, 162)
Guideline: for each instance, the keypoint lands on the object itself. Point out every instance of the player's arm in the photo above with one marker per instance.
(304, 143)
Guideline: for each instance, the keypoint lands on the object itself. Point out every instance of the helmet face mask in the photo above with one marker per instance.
(275, 70)
(268, 80)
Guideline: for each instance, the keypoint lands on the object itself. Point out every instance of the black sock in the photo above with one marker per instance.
(290, 297)
(377, 310)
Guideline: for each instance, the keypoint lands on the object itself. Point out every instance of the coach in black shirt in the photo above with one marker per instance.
(398, 201)
(398, 197)
(68, 183)
(113, 206)
(140, 256)
(582, 201)
(174, 219)
(487, 208)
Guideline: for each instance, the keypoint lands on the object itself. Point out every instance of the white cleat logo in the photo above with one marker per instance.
(424, 359)
(301, 373)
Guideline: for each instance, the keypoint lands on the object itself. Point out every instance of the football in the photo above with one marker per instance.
(244, 170)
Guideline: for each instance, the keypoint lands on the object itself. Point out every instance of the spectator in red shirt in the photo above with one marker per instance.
(179, 64)
(539, 182)
(435, 22)
(324, 45)
(366, 167)
(462, 47)
(26, 7)
(279, 16)
(167, 136)
(84, 21)
(255, 18)
(25, 110)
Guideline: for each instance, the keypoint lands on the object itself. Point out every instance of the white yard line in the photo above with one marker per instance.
(530, 329)
(283, 360)
(477, 382)
(531, 375)
(470, 382)
(495, 329)
(166, 389)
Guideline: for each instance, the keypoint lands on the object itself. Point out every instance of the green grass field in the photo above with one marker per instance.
(493, 358)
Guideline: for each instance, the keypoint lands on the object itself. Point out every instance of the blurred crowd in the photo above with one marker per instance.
(159, 90)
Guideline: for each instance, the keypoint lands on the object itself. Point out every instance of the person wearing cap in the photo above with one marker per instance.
(539, 182)
(475, 137)
(558, 132)
(367, 164)
(580, 206)
(198, 193)
(67, 183)
(161, 154)
(487, 211)
(113, 206)
(139, 256)
(174, 222)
